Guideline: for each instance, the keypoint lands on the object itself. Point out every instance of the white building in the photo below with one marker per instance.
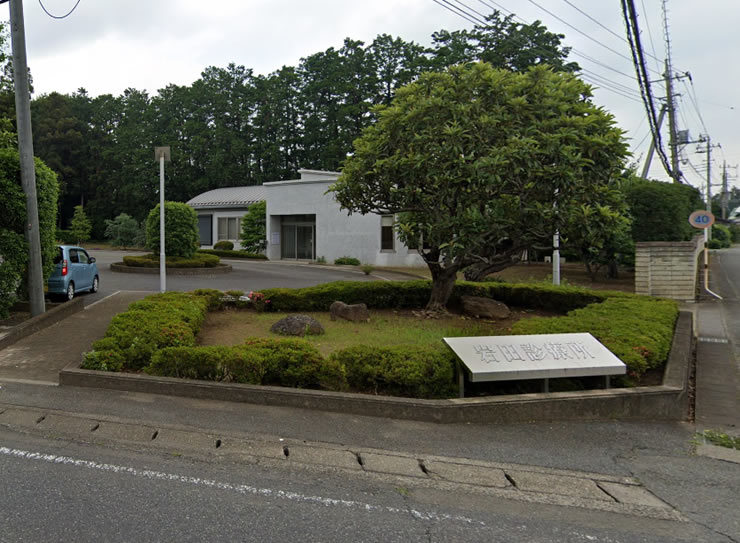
(305, 223)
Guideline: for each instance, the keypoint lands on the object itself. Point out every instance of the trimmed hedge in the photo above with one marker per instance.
(400, 370)
(231, 254)
(415, 294)
(213, 363)
(223, 245)
(637, 329)
(152, 261)
(162, 320)
(347, 261)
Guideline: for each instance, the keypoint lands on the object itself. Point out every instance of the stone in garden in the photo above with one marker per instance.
(354, 312)
(485, 307)
(298, 325)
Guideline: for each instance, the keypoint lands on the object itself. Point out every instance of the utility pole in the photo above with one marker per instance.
(707, 140)
(671, 107)
(724, 199)
(25, 148)
(651, 149)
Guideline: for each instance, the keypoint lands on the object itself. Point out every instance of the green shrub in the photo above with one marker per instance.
(715, 244)
(367, 269)
(721, 234)
(213, 363)
(224, 245)
(660, 211)
(347, 261)
(637, 329)
(13, 246)
(735, 233)
(181, 230)
(124, 231)
(79, 226)
(296, 363)
(162, 320)
(253, 236)
(232, 254)
(65, 237)
(103, 360)
(415, 294)
(399, 371)
(198, 260)
(214, 297)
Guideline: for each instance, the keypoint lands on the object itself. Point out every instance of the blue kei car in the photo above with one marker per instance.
(74, 271)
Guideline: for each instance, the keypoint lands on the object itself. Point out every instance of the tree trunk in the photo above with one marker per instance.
(443, 281)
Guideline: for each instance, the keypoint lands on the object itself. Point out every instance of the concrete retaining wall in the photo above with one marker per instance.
(667, 269)
(666, 402)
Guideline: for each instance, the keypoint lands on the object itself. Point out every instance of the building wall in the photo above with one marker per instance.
(667, 269)
(216, 214)
(337, 233)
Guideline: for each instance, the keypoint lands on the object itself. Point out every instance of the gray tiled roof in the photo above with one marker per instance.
(229, 197)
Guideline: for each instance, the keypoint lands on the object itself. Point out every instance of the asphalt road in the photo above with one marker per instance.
(246, 275)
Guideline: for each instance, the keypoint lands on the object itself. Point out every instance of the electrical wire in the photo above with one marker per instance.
(596, 78)
(60, 16)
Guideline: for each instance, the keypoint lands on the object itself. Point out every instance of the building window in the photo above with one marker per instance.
(228, 228)
(386, 233)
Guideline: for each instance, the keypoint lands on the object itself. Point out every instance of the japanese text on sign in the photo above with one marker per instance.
(532, 352)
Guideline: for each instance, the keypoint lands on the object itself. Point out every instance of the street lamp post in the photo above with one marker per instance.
(162, 154)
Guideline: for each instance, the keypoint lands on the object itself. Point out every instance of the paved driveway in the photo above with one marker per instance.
(246, 275)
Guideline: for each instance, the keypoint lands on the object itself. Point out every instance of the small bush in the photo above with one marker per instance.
(715, 244)
(347, 261)
(65, 237)
(735, 233)
(232, 254)
(367, 269)
(198, 260)
(399, 371)
(296, 363)
(721, 234)
(212, 295)
(223, 245)
(181, 230)
(212, 363)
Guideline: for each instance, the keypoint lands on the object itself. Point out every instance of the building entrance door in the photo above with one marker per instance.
(298, 239)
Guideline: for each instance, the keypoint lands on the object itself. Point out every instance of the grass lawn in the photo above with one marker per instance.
(386, 327)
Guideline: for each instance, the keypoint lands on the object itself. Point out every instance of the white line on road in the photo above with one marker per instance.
(242, 489)
(102, 299)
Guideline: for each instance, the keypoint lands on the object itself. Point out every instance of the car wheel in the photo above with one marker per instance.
(70, 291)
(95, 285)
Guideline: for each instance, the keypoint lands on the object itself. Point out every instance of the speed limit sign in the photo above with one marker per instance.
(701, 219)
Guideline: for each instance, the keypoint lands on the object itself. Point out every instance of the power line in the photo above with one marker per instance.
(650, 34)
(60, 16)
(453, 9)
(579, 30)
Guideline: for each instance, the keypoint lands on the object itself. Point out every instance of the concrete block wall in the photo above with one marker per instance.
(667, 269)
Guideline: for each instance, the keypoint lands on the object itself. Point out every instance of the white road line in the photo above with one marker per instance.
(102, 299)
(242, 489)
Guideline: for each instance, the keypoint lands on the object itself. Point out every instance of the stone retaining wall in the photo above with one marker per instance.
(668, 269)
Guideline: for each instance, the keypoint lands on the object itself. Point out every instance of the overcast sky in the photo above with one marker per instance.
(106, 46)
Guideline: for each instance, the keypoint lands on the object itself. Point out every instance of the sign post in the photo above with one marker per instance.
(162, 154)
(704, 220)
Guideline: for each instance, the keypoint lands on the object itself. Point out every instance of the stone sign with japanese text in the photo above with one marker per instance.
(542, 356)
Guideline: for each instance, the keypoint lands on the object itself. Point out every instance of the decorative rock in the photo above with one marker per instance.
(485, 307)
(354, 312)
(298, 325)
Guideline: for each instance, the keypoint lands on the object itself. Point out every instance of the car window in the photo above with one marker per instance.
(73, 256)
(83, 257)
(59, 256)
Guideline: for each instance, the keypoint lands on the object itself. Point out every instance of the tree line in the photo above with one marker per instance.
(234, 127)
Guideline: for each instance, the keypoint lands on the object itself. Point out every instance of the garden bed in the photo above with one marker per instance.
(401, 354)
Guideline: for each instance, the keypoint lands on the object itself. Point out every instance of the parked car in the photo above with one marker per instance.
(74, 271)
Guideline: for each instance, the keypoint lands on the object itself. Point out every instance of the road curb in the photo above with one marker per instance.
(668, 401)
(218, 270)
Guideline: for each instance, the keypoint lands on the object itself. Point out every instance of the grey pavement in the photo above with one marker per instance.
(718, 345)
